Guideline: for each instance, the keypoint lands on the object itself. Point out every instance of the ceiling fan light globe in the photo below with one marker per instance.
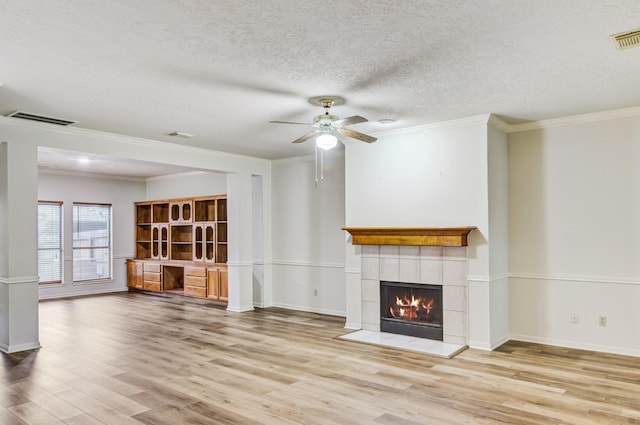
(326, 141)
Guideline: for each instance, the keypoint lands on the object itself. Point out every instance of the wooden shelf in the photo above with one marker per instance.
(411, 236)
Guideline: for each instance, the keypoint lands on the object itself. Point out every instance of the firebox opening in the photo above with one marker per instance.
(411, 309)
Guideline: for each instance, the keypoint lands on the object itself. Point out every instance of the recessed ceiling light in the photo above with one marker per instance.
(181, 134)
(386, 121)
(83, 160)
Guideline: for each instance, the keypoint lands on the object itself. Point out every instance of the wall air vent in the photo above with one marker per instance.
(40, 118)
(627, 40)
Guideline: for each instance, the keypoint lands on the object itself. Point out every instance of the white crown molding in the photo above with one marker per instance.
(499, 123)
(306, 158)
(437, 126)
(576, 119)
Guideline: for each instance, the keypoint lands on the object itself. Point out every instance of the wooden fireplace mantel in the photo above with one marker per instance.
(412, 236)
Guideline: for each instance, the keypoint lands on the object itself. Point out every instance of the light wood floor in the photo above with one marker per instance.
(135, 358)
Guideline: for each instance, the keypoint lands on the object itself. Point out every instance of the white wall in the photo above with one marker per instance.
(308, 243)
(434, 178)
(186, 185)
(121, 194)
(438, 176)
(574, 208)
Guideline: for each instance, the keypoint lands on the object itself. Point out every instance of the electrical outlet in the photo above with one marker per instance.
(602, 320)
(315, 292)
(574, 318)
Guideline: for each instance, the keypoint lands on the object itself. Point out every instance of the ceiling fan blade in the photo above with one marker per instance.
(305, 137)
(356, 135)
(289, 122)
(349, 120)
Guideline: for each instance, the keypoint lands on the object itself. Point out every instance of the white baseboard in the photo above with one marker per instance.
(311, 309)
(240, 309)
(19, 347)
(577, 345)
(353, 326)
(81, 293)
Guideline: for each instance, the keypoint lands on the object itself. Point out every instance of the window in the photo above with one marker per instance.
(91, 242)
(49, 242)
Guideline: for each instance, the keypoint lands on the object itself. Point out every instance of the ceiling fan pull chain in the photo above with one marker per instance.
(316, 166)
(322, 165)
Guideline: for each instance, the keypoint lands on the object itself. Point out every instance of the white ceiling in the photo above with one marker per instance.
(223, 69)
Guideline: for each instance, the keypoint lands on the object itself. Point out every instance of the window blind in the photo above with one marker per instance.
(50, 242)
(91, 242)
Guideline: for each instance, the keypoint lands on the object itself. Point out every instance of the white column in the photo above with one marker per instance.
(240, 240)
(267, 256)
(18, 247)
(353, 281)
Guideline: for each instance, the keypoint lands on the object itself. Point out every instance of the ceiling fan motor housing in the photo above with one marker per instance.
(324, 120)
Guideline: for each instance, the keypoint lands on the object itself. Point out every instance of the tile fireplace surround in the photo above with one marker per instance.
(436, 265)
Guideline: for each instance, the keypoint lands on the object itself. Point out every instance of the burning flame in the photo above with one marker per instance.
(406, 303)
(412, 309)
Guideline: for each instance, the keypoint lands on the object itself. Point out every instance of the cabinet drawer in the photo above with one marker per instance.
(153, 277)
(195, 281)
(193, 291)
(152, 286)
(195, 271)
(150, 267)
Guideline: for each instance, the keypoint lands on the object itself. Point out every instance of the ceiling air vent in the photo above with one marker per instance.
(627, 40)
(40, 118)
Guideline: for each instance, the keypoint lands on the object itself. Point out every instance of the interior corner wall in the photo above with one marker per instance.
(308, 243)
(498, 190)
(260, 298)
(121, 194)
(574, 203)
(4, 245)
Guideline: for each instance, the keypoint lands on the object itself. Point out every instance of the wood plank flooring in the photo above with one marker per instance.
(138, 359)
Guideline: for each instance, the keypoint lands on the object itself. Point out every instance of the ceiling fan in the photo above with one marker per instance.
(327, 127)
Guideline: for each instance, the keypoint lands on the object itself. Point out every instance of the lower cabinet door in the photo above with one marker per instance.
(223, 287)
(213, 277)
(152, 286)
(195, 291)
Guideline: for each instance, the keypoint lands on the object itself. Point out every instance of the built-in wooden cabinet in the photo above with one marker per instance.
(180, 211)
(218, 284)
(181, 246)
(134, 274)
(160, 241)
(204, 242)
(151, 277)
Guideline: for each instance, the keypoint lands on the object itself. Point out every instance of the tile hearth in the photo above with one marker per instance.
(403, 342)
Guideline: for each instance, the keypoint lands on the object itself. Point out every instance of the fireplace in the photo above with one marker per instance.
(411, 309)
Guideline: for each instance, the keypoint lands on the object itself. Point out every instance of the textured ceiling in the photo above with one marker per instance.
(222, 69)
